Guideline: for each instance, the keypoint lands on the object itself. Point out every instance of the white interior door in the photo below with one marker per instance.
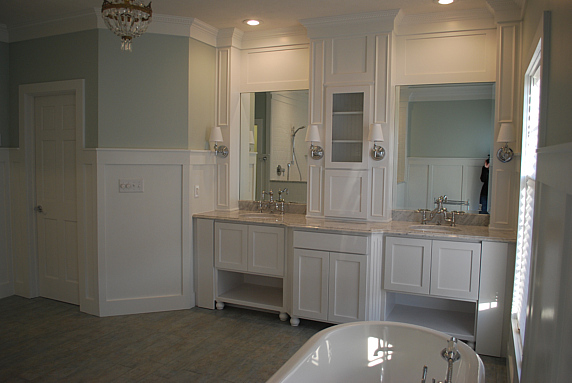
(56, 197)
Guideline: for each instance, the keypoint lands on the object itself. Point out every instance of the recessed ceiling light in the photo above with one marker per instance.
(445, 2)
(252, 22)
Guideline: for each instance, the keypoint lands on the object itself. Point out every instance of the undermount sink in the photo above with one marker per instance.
(434, 228)
(260, 215)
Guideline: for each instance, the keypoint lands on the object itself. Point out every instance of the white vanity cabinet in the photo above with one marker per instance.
(249, 266)
(439, 268)
(433, 283)
(251, 248)
(329, 277)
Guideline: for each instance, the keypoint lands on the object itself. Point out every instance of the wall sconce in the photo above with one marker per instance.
(313, 135)
(216, 137)
(376, 135)
(506, 135)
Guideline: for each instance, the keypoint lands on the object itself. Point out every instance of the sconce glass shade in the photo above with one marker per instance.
(375, 133)
(216, 134)
(251, 137)
(313, 135)
(216, 137)
(506, 133)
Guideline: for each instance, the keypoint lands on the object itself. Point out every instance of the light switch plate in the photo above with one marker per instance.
(132, 185)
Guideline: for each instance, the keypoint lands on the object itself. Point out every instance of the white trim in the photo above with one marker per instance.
(451, 21)
(352, 24)
(89, 19)
(275, 37)
(554, 165)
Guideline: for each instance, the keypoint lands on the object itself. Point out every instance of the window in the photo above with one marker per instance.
(526, 197)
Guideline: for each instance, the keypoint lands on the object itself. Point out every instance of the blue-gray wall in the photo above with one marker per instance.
(56, 58)
(4, 91)
(143, 95)
(161, 95)
(453, 129)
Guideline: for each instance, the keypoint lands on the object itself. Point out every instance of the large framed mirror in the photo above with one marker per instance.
(444, 137)
(273, 151)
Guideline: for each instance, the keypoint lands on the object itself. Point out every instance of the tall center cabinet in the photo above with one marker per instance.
(349, 91)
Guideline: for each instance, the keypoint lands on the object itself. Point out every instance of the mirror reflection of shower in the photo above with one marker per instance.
(278, 159)
(294, 159)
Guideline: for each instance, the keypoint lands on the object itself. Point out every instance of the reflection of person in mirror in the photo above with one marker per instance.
(485, 188)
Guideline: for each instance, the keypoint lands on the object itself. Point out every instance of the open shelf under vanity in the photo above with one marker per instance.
(454, 317)
(258, 291)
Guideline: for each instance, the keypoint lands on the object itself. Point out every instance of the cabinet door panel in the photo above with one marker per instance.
(231, 246)
(310, 285)
(407, 265)
(347, 286)
(346, 193)
(266, 250)
(455, 269)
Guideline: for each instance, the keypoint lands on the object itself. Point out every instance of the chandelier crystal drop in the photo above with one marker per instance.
(127, 19)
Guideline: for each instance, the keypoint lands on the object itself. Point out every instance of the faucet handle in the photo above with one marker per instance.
(423, 215)
(280, 192)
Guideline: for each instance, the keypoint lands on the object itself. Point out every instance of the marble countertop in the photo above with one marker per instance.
(301, 221)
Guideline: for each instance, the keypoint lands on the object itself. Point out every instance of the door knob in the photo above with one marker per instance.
(39, 209)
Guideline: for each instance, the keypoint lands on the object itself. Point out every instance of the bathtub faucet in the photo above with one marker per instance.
(451, 355)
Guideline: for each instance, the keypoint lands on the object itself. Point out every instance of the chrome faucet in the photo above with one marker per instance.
(439, 209)
(263, 204)
(451, 355)
(280, 201)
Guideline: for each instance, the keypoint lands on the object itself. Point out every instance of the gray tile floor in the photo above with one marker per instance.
(43, 340)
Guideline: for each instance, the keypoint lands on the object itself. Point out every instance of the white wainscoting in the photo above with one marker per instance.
(429, 178)
(144, 238)
(6, 274)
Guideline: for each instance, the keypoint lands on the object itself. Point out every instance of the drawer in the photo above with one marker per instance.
(341, 243)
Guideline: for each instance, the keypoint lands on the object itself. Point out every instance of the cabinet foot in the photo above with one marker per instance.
(283, 317)
(220, 305)
(294, 321)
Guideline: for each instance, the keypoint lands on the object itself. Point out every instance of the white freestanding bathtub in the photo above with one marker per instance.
(385, 352)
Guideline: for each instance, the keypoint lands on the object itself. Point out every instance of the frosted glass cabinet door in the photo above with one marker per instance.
(310, 285)
(455, 269)
(407, 265)
(266, 250)
(231, 246)
(347, 126)
(347, 287)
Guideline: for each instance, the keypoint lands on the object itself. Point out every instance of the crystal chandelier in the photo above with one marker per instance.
(126, 18)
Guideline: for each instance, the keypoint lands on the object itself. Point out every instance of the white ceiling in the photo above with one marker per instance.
(229, 13)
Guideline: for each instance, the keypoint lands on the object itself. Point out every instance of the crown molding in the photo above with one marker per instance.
(91, 19)
(229, 37)
(275, 37)
(69, 23)
(452, 21)
(353, 24)
(3, 33)
(506, 10)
